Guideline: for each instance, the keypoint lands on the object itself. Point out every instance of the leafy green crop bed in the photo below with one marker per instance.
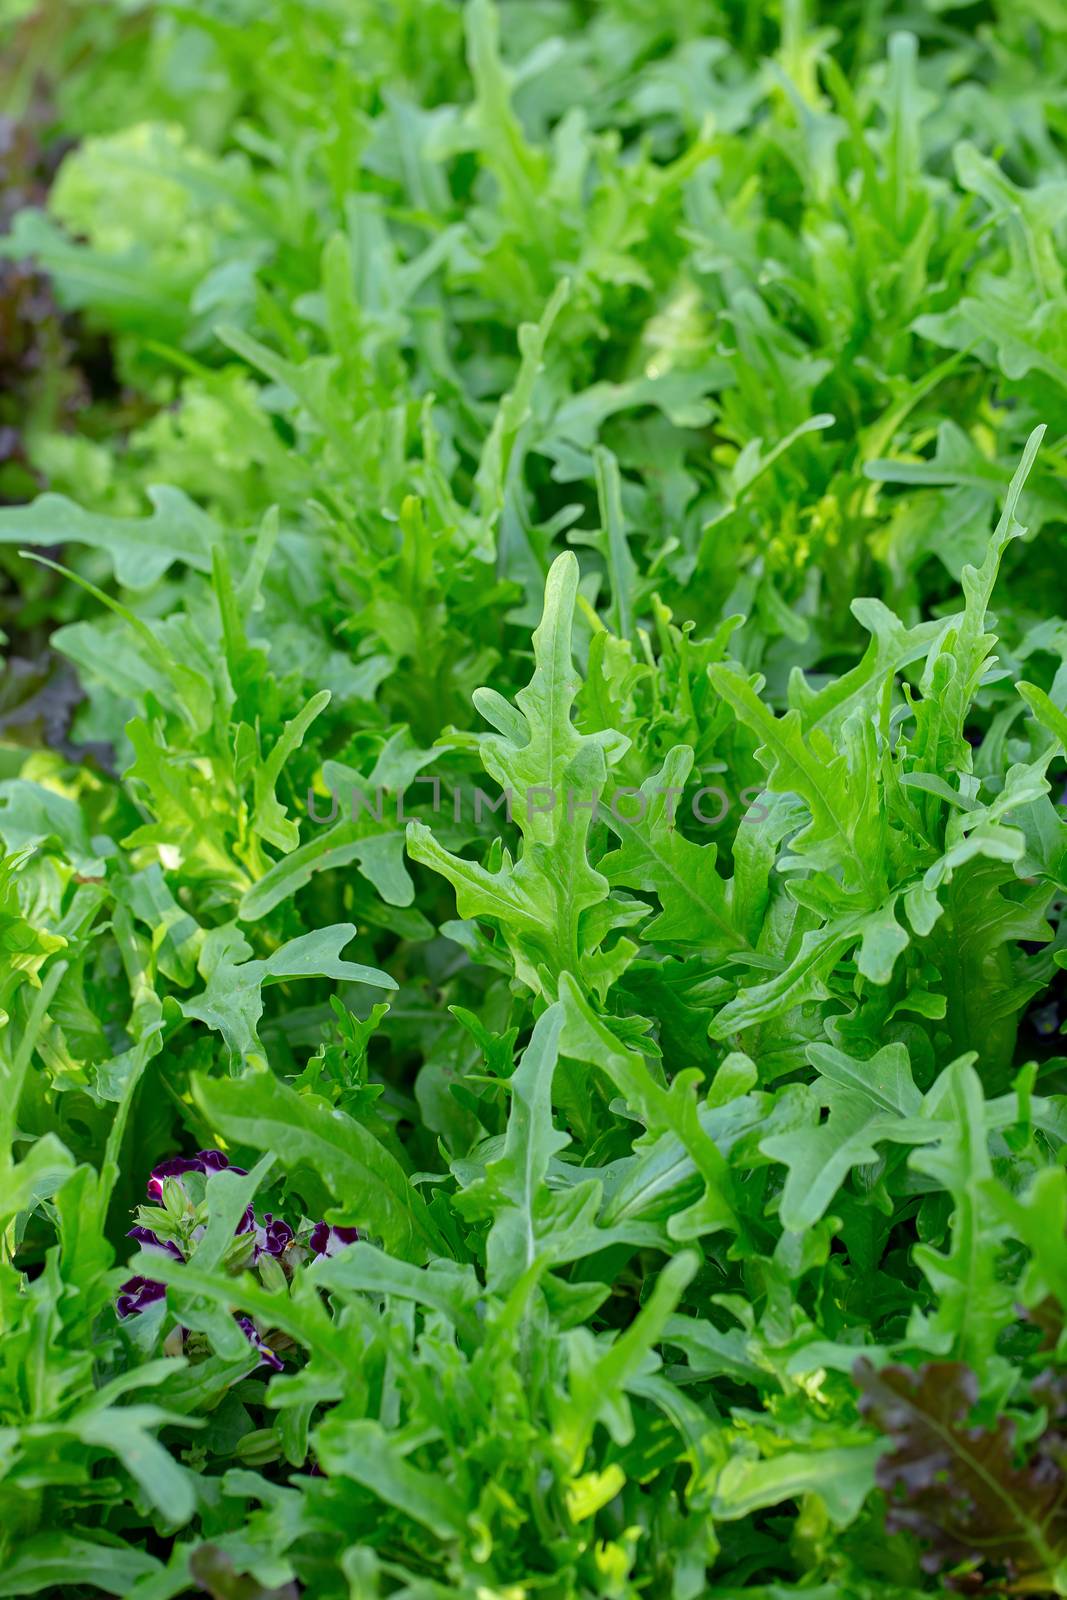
(531, 762)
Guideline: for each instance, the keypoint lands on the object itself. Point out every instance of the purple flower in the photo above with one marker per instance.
(268, 1358)
(151, 1241)
(137, 1294)
(204, 1161)
(273, 1237)
(327, 1241)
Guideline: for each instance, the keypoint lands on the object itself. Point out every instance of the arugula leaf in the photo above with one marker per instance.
(232, 1000)
(868, 1102)
(363, 1182)
(522, 424)
(141, 551)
